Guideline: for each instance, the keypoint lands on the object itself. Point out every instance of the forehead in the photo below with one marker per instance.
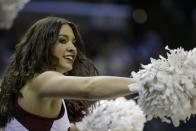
(66, 30)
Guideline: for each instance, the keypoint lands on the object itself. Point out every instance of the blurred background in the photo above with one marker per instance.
(120, 35)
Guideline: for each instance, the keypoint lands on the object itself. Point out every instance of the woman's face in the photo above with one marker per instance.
(64, 49)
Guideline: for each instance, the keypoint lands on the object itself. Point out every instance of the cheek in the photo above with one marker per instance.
(58, 51)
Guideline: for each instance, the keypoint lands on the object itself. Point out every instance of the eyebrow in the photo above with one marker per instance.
(64, 35)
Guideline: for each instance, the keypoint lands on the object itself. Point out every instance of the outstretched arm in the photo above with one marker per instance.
(54, 84)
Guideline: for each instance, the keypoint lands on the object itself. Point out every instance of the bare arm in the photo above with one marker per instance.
(54, 84)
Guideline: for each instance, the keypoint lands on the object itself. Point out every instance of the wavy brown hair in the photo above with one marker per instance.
(33, 55)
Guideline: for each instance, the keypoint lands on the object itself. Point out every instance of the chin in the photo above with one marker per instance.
(69, 69)
(65, 68)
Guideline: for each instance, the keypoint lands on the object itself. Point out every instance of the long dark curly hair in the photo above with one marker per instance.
(33, 55)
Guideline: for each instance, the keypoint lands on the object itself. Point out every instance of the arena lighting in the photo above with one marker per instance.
(78, 8)
(140, 16)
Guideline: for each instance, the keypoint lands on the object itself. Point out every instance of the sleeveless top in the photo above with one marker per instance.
(25, 121)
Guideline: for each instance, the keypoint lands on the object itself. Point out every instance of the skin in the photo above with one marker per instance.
(64, 47)
(193, 109)
(46, 90)
(72, 127)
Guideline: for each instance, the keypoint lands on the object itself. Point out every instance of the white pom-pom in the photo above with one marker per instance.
(9, 10)
(114, 115)
(168, 86)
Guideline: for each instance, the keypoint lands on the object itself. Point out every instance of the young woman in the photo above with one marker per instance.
(50, 82)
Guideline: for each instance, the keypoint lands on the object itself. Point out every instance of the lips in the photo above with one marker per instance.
(69, 58)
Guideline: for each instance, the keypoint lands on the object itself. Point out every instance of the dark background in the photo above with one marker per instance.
(120, 35)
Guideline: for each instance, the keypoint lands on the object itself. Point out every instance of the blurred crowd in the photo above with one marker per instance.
(123, 36)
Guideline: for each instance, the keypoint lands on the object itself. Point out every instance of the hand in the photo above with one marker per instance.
(73, 127)
(134, 87)
(193, 103)
(193, 92)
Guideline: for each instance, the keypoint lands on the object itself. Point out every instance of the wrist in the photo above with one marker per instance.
(134, 87)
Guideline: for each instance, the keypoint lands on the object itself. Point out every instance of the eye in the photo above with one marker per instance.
(62, 40)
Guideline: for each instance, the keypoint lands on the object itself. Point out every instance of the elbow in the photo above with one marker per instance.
(88, 92)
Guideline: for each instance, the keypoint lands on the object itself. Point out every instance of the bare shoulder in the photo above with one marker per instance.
(44, 77)
(48, 74)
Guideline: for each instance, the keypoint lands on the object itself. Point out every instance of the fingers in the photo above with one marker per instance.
(193, 109)
(193, 92)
